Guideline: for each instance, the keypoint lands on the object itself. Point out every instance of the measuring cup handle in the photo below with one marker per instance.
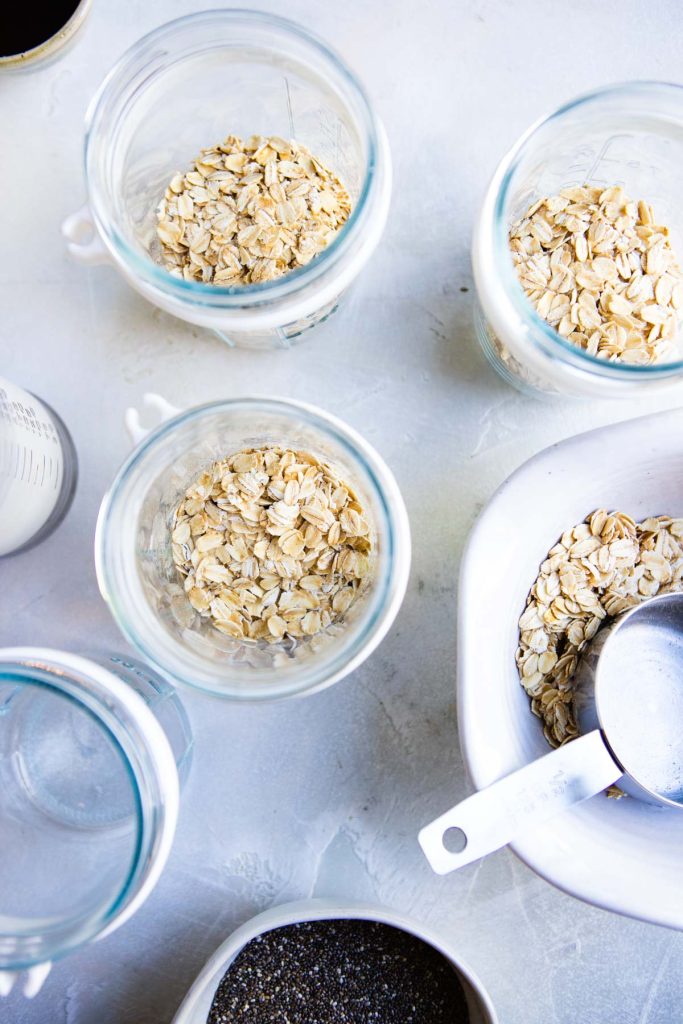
(496, 815)
(163, 409)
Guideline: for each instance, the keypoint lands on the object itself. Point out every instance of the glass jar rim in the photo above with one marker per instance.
(383, 603)
(239, 296)
(509, 293)
(148, 761)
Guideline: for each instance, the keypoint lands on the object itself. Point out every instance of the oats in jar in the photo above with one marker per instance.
(272, 544)
(249, 211)
(600, 269)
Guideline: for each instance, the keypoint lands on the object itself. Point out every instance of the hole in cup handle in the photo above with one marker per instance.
(157, 404)
(33, 981)
(454, 839)
(445, 843)
(83, 243)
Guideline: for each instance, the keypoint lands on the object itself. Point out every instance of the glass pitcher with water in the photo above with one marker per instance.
(92, 754)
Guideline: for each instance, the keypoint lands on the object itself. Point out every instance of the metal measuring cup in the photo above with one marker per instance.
(629, 706)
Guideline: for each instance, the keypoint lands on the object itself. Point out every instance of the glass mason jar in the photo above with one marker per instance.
(186, 86)
(139, 580)
(88, 800)
(38, 469)
(631, 135)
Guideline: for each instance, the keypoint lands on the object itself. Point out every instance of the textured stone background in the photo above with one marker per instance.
(325, 795)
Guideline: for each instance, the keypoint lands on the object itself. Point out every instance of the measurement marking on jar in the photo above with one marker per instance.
(24, 466)
(33, 469)
(289, 109)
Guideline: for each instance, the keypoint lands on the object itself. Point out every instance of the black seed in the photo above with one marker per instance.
(339, 972)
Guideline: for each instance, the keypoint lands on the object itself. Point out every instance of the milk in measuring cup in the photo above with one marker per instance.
(38, 469)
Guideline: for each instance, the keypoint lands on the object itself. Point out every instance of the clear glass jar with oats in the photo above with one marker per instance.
(237, 176)
(578, 248)
(253, 548)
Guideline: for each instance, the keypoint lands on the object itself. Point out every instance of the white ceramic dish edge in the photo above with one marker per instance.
(597, 851)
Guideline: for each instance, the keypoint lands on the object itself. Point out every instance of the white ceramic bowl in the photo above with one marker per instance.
(197, 1003)
(621, 855)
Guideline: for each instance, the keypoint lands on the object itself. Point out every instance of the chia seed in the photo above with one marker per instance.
(339, 972)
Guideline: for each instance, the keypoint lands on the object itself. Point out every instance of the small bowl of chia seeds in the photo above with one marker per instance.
(322, 962)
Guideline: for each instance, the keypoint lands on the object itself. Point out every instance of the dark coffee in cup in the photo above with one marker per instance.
(31, 25)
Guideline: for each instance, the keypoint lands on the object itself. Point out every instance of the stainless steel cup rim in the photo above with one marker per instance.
(611, 693)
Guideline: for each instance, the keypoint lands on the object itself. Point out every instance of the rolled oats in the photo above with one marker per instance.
(272, 544)
(600, 270)
(597, 570)
(249, 211)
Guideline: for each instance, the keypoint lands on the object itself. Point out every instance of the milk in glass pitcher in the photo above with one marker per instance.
(38, 469)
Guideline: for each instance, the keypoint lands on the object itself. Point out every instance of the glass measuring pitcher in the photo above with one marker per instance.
(140, 582)
(186, 86)
(38, 469)
(88, 800)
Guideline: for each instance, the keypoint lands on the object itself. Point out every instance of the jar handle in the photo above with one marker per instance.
(83, 242)
(33, 981)
(158, 404)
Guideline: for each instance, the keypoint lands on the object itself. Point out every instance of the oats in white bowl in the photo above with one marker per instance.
(597, 570)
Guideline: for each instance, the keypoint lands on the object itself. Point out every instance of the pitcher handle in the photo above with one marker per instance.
(34, 979)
